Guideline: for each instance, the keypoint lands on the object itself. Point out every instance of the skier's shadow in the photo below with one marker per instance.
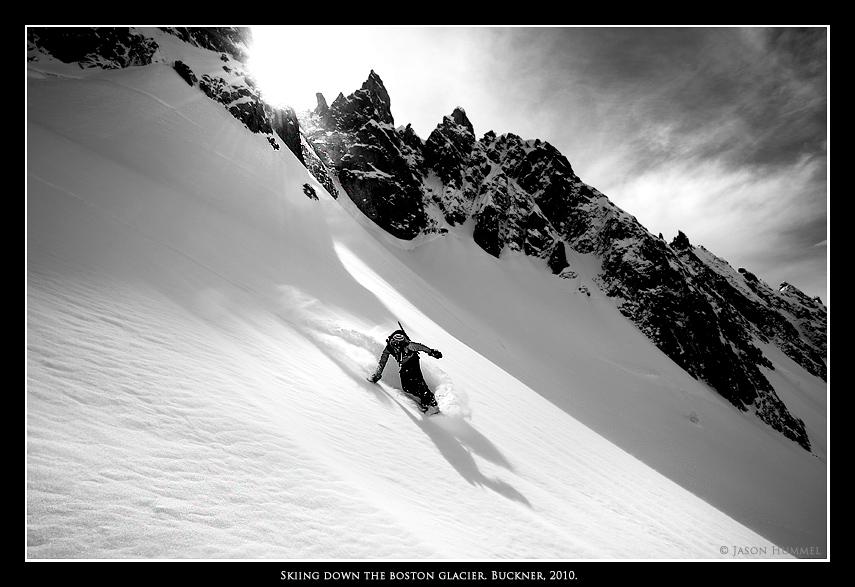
(455, 438)
(457, 441)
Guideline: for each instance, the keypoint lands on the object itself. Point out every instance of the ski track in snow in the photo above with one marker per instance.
(195, 372)
(357, 352)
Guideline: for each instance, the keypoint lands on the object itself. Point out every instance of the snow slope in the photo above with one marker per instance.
(198, 334)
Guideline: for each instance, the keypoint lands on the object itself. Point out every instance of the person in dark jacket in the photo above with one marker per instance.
(406, 353)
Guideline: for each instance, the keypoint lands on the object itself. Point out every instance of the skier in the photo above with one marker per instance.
(406, 353)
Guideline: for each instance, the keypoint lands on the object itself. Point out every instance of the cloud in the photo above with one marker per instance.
(719, 132)
(749, 96)
(769, 223)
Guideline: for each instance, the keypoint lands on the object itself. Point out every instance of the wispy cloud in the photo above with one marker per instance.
(720, 132)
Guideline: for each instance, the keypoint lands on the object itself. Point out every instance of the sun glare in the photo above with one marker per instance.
(293, 63)
(274, 70)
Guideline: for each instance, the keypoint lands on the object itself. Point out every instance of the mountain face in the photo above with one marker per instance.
(520, 195)
(524, 196)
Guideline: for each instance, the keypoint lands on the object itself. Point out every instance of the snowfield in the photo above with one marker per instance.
(198, 336)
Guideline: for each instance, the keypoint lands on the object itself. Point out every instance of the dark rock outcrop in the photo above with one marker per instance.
(107, 48)
(185, 72)
(356, 142)
(447, 149)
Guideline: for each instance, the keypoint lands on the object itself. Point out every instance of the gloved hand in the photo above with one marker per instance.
(435, 354)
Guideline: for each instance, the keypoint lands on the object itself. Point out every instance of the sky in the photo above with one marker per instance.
(721, 133)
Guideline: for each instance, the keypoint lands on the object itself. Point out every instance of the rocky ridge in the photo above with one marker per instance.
(523, 195)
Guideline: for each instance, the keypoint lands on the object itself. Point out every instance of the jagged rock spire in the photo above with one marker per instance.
(322, 107)
(459, 116)
(379, 97)
(370, 102)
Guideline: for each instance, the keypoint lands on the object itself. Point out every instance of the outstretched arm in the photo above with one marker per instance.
(426, 349)
(384, 357)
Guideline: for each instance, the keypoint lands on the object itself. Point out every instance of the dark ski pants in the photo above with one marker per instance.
(413, 382)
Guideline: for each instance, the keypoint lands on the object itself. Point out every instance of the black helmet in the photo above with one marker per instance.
(398, 337)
